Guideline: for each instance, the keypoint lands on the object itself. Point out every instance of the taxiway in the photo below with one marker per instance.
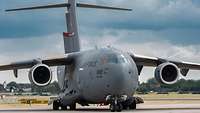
(168, 108)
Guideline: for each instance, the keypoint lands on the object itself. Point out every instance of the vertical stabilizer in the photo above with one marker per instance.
(71, 37)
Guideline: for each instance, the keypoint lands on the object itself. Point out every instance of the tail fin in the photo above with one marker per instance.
(71, 37)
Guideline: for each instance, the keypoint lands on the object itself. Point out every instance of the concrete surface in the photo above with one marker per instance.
(153, 104)
(143, 108)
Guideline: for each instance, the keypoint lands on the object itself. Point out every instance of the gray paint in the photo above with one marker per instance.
(71, 43)
(93, 79)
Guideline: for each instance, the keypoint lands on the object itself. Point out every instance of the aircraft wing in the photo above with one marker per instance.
(56, 61)
(154, 62)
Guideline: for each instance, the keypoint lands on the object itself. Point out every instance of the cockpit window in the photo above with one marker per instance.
(113, 58)
(121, 59)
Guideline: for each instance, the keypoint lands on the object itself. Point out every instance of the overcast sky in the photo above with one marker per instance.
(164, 28)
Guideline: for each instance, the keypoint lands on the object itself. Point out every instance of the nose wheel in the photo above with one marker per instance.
(116, 107)
(116, 102)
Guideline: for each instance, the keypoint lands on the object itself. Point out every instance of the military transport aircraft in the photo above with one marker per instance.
(106, 75)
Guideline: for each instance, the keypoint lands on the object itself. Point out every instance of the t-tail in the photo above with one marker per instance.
(71, 37)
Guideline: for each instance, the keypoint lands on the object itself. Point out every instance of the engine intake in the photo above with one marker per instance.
(167, 73)
(40, 75)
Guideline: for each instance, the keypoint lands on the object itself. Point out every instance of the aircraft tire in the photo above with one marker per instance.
(73, 106)
(133, 106)
(125, 106)
(112, 108)
(56, 105)
(63, 107)
(119, 108)
(116, 107)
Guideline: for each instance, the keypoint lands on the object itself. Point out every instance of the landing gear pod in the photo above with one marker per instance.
(40, 75)
(167, 73)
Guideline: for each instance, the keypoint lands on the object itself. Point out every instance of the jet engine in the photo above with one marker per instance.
(167, 73)
(40, 75)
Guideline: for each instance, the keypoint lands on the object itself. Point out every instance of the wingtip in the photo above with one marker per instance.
(130, 9)
(8, 10)
(127, 9)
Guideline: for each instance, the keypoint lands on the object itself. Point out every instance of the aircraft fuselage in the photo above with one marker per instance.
(97, 74)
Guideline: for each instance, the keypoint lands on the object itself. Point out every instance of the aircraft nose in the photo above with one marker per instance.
(117, 80)
(123, 80)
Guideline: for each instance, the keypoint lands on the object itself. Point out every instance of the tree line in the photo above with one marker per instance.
(182, 86)
(52, 88)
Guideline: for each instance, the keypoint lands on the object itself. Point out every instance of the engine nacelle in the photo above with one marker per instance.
(167, 73)
(40, 75)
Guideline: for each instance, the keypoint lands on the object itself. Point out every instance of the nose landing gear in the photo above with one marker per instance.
(116, 107)
(119, 103)
(116, 102)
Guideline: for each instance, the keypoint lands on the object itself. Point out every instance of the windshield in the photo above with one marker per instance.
(113, 58)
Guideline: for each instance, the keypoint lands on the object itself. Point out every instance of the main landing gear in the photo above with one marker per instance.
(119, 103)
(58, 106)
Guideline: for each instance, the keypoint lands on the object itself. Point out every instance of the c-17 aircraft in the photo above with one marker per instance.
(99, 76)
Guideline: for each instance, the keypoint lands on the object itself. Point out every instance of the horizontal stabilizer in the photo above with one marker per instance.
(41, 7)
(101, 7)
(68, 5)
